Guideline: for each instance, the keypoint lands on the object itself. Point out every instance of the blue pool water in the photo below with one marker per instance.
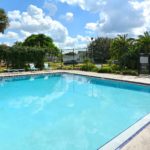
(67, 112)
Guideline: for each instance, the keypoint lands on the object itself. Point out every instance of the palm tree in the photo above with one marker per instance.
(3, 20)
(121, 49)
(144, 43)
(120, 46)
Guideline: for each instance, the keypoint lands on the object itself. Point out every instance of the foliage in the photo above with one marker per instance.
(2, 47)
(43, 41)
(107, 69)
(18, 57)
(87, 66)
(68, 67)
(116, 70)
(130, 72)
(53, 65)
(38, 40)
(18, 44)
(3, 20)
(143, 43)
(123, 50)
(99, 49)
(115, 67)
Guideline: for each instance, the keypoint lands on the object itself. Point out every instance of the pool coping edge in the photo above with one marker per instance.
(83, 73)
(126, 136)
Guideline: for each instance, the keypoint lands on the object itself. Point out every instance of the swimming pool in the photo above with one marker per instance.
(64, 111)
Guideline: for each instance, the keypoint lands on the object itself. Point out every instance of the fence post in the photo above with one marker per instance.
(61, 58)
(86, 57)
(73, 58)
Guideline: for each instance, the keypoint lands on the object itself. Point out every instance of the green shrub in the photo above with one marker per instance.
(19, 56)
(95, 69)
(105, 65)
(67, 67)
(117, 72)
(27, 68)
(115, 67)
(105, 70)
(88, 67)
(130, 72)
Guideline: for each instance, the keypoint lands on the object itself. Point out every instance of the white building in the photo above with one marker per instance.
(78, 57)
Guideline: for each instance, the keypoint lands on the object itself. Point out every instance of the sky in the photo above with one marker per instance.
(72, 23)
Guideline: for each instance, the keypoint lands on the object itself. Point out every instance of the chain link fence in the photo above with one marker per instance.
(69, 58)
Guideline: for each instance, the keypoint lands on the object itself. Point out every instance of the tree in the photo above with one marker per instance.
(3, 49)
(99, 49)
(120, 48)
(43, 41)
(39, 40)
(143, 43)
(17, 43)
(3, 20)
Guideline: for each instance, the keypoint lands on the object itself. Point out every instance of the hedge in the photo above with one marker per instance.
(19, 57)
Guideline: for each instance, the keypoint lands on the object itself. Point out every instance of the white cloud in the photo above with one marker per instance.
(25, 33)
(119, 16)
(89, 5)
(8, 38)
(15, 24)
(75, 42)
(9, 35)
(91, 26)
(68, 16)
(35, 12)
(70, 42)
(35, 21)
(50, 7)
(144, 6)
(14, 14)
(12, 35)
(6, 43)
(115, 17)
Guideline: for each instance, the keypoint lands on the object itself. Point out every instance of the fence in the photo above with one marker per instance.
(77, 55)
(70, 56)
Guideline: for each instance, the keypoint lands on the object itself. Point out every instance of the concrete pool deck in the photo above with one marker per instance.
(140, 141)
(127, 78)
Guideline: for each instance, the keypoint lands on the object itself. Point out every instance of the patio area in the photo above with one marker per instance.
(140, 141)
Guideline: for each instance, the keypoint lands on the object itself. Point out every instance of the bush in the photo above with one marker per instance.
(115, 67)
(88, 67)
(117, 72)
(130, 72)
(19, 56)
(105, 70)
(95, 69)
(68, 67)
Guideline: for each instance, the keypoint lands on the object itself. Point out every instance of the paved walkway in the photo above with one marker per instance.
(139, 142)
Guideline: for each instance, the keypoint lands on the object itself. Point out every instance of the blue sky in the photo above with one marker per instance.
(71, 23)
